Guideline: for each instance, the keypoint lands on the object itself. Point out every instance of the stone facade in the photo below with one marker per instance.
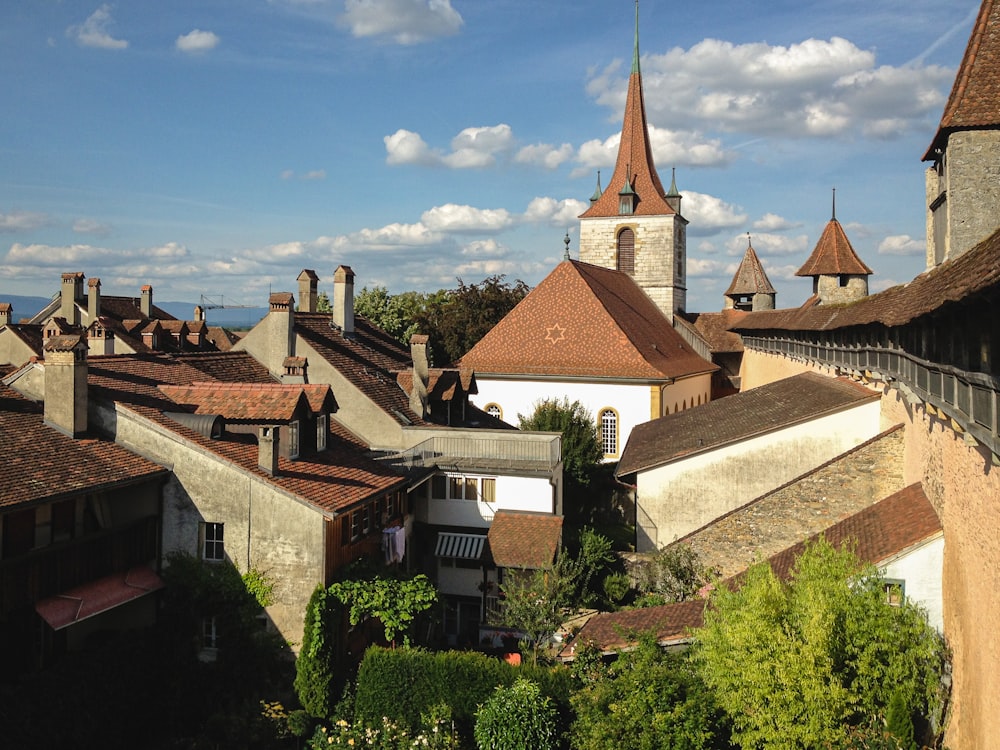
(836, 290)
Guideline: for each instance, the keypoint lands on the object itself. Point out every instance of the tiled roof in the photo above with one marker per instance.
(232, 367)
(738, 417)
(42, 464)
(442, 385)
(970, 273)
(975, 96)
(833, 255)
(612, 631)
(586, 321)
(253, 402)
(750, 277)
(333, 480)
(716, 328)
(221, 338)
(129, 308)
(519, 539)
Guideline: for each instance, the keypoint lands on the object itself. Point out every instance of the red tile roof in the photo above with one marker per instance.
(716, 328)
(232, 367)
(975, 96)
(253, 402)
(738, 417)
(42, 464)
(833, 255)
(519, 539)
(750, 277)
(586, 321)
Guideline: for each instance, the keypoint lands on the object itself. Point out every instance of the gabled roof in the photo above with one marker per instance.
(586, 321)
(833, 255)
(975, 96)
(520, 539)
(743, 415)
(634, 166)
(252, 402)
(231, 367)
(716, 328)
(970, 273)
(41, 464)
(750, 277)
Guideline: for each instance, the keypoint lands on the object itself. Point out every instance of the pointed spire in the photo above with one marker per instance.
(566, 242)
(598, 191)
(750, 277)
(833, 216)
(635, 51)
(673, 195)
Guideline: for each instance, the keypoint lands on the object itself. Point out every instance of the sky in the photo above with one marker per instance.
(218, 147)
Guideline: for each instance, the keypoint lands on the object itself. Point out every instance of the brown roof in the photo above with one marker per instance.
(750, 277)
(970, 273)
(635, 160)
(252, 402)
(716, 328)
(738, 417)
(833, 255)
(584, 320)
(232, 367)
(41, 464)
(129, 308)
(519, 539)
(613, 631)
(975, 96)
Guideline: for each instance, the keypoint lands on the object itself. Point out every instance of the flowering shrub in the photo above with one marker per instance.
(437, 733)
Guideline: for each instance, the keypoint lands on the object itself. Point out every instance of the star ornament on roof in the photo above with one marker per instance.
(555, 334)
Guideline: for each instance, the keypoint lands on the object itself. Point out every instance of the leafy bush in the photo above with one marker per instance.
(517, 717)
(316, 683)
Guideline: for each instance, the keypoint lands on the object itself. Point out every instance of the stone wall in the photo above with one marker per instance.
(971, 183)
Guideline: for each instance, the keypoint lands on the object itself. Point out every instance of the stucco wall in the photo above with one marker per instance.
(512, 493)
(920, 570)
(684, 495)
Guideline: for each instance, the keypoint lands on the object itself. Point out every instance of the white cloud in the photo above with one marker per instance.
(478, 147)
(482, 249)
(91, 226)
(773, 223)
(403, 21)
(94, 31)
(544, 155)
(901, 244)
(670, 147)
(818, 88)
(21, 221)
(709, 214)
(81, 254)
(454, 218)
(197, 41)
(407, 147)
(564, 213)
(707, 268)
(767, 244)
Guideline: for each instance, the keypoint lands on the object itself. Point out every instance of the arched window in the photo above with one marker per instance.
(626, 251)
(609, 431)
(494, 410)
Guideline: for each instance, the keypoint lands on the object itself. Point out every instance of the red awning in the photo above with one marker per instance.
(70, 607)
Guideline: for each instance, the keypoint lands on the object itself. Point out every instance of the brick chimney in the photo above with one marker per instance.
(267, 449)
(66, 383)
(418, 389)
(93, 300)
(308, 282)
(6, 313)
(343, 299)
(146, 303)
(70, 292)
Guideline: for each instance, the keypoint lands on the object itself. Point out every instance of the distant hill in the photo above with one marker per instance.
(25, 307)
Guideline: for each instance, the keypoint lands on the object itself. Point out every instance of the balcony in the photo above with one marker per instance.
(469, 452)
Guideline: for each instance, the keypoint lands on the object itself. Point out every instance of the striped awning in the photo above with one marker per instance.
(464, 546)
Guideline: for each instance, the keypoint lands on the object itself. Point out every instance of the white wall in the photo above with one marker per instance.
(920, 569)
(512, 493)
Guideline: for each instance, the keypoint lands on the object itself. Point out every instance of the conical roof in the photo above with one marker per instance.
(635, 157)
(975, 96)
(833, 255)
(750, 277)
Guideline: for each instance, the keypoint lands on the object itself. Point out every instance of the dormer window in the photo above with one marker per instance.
(293, 439)
(626, 197)
(321, 432)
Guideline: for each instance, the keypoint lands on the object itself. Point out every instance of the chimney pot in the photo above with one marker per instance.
(146, 302)
(267, 449)
(308, 282)
(343, 299)
(65, 375)
(421, 375)
(6, 313)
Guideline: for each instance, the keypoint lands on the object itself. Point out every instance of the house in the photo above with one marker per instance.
(691, 467)
(79, 523)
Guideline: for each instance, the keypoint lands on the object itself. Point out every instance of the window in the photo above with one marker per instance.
(494, 410)
(366, 519)
(213, 548)
(355, 525)
(293, 439)
(609, 432)
(209, 633)
(462, 488)
(844, 279)
(895, 591)
(321, 432)
(489, 490)
(626, 251)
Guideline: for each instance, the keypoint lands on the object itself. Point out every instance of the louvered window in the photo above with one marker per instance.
(626, 251)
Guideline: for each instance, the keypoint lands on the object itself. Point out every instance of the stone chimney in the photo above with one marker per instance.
(418, 389)
(71, 291)
(308, 282)
(343, 299)
(6, 313)
(66, 383)
(267, 449)
(199, 313)
(93, 300)
(146, 303)
(280, 323)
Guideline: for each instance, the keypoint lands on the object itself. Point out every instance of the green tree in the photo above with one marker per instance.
(803, 664)
(316, 683)
(516, 718)
(646, 699)
(394, 602)
(672, 574)
(393, 314)
(323, 303)
(581, 447)
(534, 603)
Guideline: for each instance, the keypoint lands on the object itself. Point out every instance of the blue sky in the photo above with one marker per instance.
(219, 147)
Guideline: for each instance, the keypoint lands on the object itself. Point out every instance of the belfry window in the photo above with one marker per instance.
(626, 251)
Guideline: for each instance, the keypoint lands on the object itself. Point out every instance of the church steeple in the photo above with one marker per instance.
(750, 289)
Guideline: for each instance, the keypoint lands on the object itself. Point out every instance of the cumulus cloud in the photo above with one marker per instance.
(21, 221)
(482, 249)
(818, 88)
(403, 21)
(708, 214)
(407, 147)
(708, 268)
(478, 147)
(454, 218)
(562, 213)
(901, 244)
(773, 223)
(81, 254)
(94, 31)
(545, 155)
(197, 41)
(670, 147)
(766, 243)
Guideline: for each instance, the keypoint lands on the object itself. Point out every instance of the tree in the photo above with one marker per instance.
(517, 717)
(394, 602)
(672, 574)
(316, 683)
(388, 312)
(804, 664)
(581, 446)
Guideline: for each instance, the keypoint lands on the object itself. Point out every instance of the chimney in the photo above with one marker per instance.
(71, 291)
(343, 299)
(308, 281)
(146, 303)
(66, 383)
(6, 313)
(418, 390)
(93, 300)
(280, 323)
(267, 449)
(199, 313)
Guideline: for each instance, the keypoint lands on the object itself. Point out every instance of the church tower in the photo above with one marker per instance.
(634, 225)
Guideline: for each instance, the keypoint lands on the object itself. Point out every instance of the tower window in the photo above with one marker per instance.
(609, 432)
(626, 251)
